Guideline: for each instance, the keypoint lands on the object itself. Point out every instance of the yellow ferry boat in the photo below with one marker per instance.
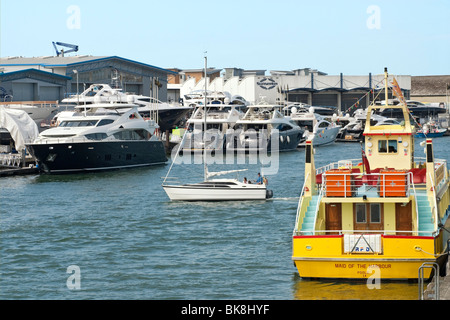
(383, 215)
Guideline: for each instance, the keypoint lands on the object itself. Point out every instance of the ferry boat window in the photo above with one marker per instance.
(368, 216)
(375, 213)
(387, 146)
(392, 146)
(361, 213)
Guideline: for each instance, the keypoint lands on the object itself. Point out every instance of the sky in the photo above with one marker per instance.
(353, 37)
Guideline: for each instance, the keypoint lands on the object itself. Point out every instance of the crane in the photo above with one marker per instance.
(74, 48)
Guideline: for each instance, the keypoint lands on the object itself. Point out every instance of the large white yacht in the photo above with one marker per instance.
(99, 137)
(261, 124)
(315, 126)
(219, 119)
(167, 115)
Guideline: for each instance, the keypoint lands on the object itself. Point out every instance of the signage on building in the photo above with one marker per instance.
(267, 83)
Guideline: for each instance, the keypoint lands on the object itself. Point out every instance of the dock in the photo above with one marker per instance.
(12, 165)
(6, 172)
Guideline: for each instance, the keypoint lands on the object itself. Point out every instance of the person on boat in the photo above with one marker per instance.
(245, 180)
(259, 180)
(265, 181)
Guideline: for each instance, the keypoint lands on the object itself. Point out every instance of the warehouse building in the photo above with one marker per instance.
(309, 86)
(53, 78)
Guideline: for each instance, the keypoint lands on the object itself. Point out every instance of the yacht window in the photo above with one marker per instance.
(84, 123)
(96, 136)
(284, 127)
(131, 135)
(104, 122)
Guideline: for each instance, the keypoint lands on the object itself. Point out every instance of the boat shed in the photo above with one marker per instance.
(309, 86)
(53, 78)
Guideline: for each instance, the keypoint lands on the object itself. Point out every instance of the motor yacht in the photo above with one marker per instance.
(167, 115)
(98, 137)
(264, 127)
(315, 127)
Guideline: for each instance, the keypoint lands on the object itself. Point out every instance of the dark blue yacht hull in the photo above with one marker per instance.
(97, 155)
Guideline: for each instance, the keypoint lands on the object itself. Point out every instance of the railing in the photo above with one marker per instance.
(344, 183)
(435, 209)
(317, 207)
(300, 203)
(421, 277)
(356, 231)
(10, 159)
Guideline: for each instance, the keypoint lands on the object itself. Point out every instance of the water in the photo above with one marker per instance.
(130, 242)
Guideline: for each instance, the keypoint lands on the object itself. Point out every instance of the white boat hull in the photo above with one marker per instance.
(198, 193)
(323, 136)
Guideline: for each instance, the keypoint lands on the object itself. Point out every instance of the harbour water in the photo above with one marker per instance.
(129, 241)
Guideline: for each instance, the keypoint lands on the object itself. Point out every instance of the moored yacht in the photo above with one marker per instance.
(264, 128)
(315, 126)
(99, 137)
(219, 119)
(382, 216)
(167, 115)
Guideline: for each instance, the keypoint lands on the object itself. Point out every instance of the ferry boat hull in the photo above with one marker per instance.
(401, 258)
(96, 155)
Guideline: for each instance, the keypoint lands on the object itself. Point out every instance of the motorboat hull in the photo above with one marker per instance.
(286, 142)
(200, 193)
(96, 155)
(439, 133)
(324, 136)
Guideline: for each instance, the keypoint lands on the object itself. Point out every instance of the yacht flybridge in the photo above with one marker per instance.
(167, 115)
(382, 216)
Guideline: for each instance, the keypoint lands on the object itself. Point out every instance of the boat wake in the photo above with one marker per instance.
(284, 199)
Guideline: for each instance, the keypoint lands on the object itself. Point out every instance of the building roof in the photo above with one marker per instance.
(429, 85)
(59, 61)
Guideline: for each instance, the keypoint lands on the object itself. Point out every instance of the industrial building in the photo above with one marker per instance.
(306, 85)
(52, 78)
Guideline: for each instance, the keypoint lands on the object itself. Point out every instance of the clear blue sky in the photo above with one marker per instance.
(349, 36)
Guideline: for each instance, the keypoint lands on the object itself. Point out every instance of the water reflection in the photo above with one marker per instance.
(304, 289)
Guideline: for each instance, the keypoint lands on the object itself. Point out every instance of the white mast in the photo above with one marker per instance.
(204, 129)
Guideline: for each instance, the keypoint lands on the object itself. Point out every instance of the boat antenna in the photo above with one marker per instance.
(204, 116)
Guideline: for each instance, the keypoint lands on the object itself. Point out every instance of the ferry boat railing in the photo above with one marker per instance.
(342, 183)
(300, 203)
(317, 207)
(434, 210)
